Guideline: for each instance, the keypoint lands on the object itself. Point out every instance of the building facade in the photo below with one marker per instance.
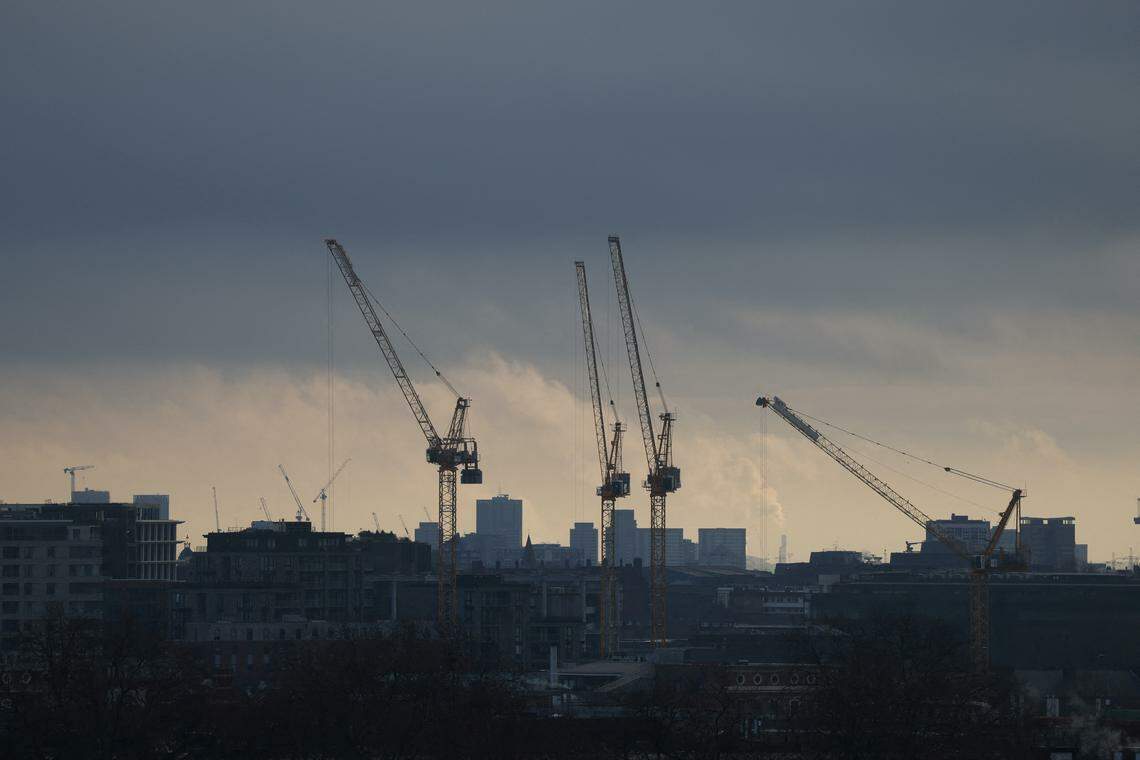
(723, 547)
(95, 560)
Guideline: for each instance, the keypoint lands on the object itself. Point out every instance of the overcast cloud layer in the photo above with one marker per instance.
(920, 222)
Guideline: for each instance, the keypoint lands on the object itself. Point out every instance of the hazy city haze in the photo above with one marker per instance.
(920, 223)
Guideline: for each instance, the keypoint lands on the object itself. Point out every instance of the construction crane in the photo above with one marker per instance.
(301, 513)
(452, 453)
(664, 478)
(322, 497)
(615, 483)
(71, 471)
(265, 509)
(217, 520)
(980, 564)
(406, 533)
(376, 523)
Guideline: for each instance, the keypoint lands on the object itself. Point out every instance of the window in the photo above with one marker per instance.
(50, 589)
(757, 679)
(10, 608)
(740, 679)
(51, 551)
(11, 552)
(75, 534)
(10, 589)
(11, 571)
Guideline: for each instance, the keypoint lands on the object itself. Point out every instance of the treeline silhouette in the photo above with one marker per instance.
(890, 689)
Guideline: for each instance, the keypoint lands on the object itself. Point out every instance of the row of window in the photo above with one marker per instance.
(50, 571)
(773, 679)
(48, 533)
(34, 552)
(33, 589)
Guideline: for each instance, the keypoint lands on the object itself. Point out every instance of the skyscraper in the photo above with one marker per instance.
(625, 536)
(498, 522)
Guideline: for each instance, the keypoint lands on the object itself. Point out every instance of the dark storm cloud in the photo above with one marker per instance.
(181, 161)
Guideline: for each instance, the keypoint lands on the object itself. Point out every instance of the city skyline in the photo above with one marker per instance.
(937, 251)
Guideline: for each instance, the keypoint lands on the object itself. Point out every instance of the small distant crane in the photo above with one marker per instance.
(265, 510)
(301, 513)
(323, 496)
(376, 522)
(71, 471)
(217, 520)
(406, 533)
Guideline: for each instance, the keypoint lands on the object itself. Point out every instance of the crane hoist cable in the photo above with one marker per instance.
(648, 354)
(921, 482)
(952, 470)
(408, 338)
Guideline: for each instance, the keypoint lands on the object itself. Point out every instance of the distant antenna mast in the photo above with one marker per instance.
(217, 520)
(1136, 519)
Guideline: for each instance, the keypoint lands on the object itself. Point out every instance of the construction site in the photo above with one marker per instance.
(773, 367)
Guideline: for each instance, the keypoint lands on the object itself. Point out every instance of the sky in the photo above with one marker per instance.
(920, 222)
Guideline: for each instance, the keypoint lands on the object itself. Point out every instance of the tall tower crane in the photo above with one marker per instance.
(217, 519)
(301, 513)
(265, 509)
(323, 496)
(452, 453)
(980, 564)
(664, 478)
(615, 483)
(71, 471)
